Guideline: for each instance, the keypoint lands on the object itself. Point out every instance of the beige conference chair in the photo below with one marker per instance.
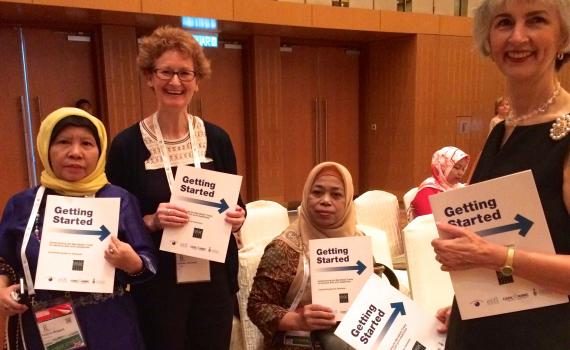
(408, 198)
(381, 253)
(265, 220)
(430, 287)
(380, 209)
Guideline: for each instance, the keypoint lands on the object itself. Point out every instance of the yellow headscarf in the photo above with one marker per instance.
(92, 182)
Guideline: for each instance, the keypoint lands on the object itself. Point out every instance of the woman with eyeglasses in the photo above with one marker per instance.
(143, 159)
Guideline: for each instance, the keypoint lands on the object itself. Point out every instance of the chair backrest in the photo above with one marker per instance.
(408, 198)
(249, 258)
(430, 287)
(380, 209)
(380, 244)
(265, 220)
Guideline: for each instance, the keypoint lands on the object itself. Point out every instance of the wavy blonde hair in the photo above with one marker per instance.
(168, 38)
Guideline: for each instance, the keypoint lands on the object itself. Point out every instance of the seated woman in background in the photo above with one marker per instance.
(502, 110)
(72, 145)
(277, 303)
(448, 165)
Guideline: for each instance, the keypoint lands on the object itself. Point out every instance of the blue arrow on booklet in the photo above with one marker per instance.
(359, 267)
(222, 205)
(398, 310)
(522, 224)
(103, 232)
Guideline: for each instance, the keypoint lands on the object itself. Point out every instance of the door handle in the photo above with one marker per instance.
(317, 127)
(39, 108)
(29, 143)
(326, 133)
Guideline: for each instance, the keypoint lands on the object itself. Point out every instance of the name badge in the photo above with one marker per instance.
(191, 270)
(58, 327)
(299, 339)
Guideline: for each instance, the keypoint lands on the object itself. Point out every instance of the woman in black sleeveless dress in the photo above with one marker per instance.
(528, 41)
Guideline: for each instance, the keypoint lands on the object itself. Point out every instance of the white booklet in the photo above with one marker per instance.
(207, 195)
(507, 211)
(75, 235)
(382, 318)
(339, 268)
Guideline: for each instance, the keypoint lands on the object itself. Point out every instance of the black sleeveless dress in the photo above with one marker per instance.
(547, 328)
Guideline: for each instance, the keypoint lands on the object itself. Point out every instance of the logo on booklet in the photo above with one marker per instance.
(77, 265)
(197, 232)
(418, 346)
(504, 279)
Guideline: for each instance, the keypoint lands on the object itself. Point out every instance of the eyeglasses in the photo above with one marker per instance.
(167, 74)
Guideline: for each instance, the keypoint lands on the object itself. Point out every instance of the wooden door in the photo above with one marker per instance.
(60, 73)
(338, 71)
(299, 109)
(14, 173)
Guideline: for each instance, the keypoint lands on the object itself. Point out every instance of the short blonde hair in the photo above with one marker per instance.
(168, 38)
(484, 16)
(498, 102)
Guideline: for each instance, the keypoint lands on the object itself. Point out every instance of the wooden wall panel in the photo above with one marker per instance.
(407, 22)
(272, 12)
(430, 128)
(454, 25)
(14, 174)
(415, 91)
(344, 18)
(112, 5)
(265, 124)
(121, 91)
(219, 9)
(466, 85)
(388, 80)
(221, 100)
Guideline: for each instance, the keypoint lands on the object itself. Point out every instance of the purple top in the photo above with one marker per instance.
(107, 321)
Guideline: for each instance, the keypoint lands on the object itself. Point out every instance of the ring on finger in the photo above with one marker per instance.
(168, 212)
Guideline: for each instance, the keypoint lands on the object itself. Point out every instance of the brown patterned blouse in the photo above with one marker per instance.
(266, 304)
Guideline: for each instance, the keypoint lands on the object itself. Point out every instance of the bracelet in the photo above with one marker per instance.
(6, 269)
(137, 274)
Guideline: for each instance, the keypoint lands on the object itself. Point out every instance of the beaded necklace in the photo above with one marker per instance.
(36, 230)
(513, 119)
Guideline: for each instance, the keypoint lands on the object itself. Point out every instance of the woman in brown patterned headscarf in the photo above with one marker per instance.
(280, 300)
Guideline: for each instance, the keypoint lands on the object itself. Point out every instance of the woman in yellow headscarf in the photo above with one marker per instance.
(72, 145)
(276, 305)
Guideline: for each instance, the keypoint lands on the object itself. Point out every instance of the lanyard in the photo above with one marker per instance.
(164, 151)
(301, 291)
(27, 234)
